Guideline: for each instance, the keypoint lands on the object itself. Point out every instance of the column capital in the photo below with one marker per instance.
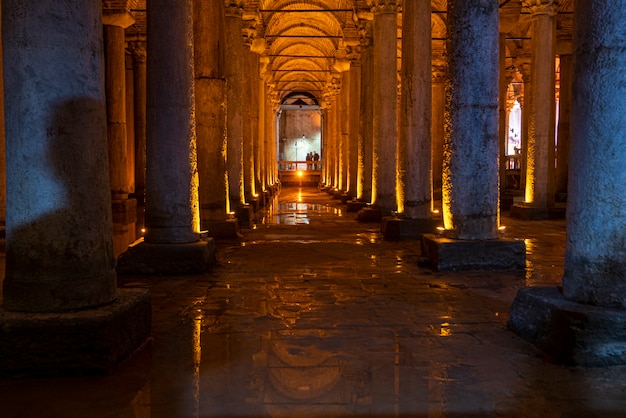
(123, 20)
(385, 6)
(542, 7)
(234, 8)
(138, 50)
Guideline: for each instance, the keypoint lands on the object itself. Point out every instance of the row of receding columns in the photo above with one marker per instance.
(71, 153)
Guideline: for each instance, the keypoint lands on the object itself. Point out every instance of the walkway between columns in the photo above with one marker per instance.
(311, 313)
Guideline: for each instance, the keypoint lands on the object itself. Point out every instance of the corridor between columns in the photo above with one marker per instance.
(312, 314)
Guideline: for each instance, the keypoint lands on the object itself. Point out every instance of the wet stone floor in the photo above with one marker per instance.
(312, 314)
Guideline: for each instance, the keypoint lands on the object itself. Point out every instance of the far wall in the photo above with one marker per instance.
(294, 124)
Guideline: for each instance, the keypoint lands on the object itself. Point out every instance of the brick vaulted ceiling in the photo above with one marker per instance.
(306, 43)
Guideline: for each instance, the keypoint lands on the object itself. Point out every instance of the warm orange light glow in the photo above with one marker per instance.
(300, 173)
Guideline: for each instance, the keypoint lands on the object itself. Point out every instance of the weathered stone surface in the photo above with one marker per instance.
(447, 254)
(228, 228)
(572, 333)
(167, 259)
(369, 215)
(90, 341)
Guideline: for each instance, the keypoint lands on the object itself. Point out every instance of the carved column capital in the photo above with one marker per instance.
(542, 7)
(385, 6)
(234, 8)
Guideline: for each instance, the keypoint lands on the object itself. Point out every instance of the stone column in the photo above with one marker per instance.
(138, 50)
(437, 127)
(172, 243)
(251, 121)
(124, 209)
(344, 122)
(416, 109)
(470, 177)
(564, 50)
(414, 144)
(354, 108)
(233, 71)
(364, 193)
(210, 88)
(60, 263)
(526, 104)
(539, 186)
(385, 128)
(3, 179)
(583, 324)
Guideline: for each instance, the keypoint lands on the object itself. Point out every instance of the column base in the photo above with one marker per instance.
(142, 258)
(355, 205)
(245, 216)
(395, 229)
(447, 254)
(226, 229)
(571, 333)
(85, 342)
(369, 214)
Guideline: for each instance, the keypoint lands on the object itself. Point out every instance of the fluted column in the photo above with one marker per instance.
(233, 71)
(470, 189)
(416, 110)
(539, 191)
(385, 102)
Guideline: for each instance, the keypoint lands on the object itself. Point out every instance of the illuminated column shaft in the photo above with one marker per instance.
(325, 143)
(437, 127)
(470, 189)
(260, 155)
(565, 101)
(540, 158)
(416, 114)
(170, 148)
(354, 107)
(385, 92)
(138, 50)
(251, 121)
(233, 71)
(366, 111)
(210, 104)
(595, 255)
(59, 250)
(526, 105)
(344, 120)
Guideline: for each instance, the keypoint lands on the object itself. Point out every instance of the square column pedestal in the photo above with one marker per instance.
(571, 333)
(447, 254)
(86, 342)
(142, 258)
(395, 229)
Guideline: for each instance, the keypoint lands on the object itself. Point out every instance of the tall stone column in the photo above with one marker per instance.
(251, 121)
(124, 208)
(416, 109)
(233, 71)
(3, 179)
(584, 323)
(415, 141)
(564, 50)
(526, 105)
(138, 51)
(344, 121)
(385, 103)
(210, 89)
(60, 265)
(539, 186)
(172, 243)
(364, 192)
(438, 131)
(470, 178)
(354, 108)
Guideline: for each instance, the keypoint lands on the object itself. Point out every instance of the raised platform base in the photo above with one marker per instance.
(245, 216)
(571, 333)
(395, 229)
(369, 214)
(226, 229)
(355, 205)
(142, 258)
(447, 254)
(87, 342)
